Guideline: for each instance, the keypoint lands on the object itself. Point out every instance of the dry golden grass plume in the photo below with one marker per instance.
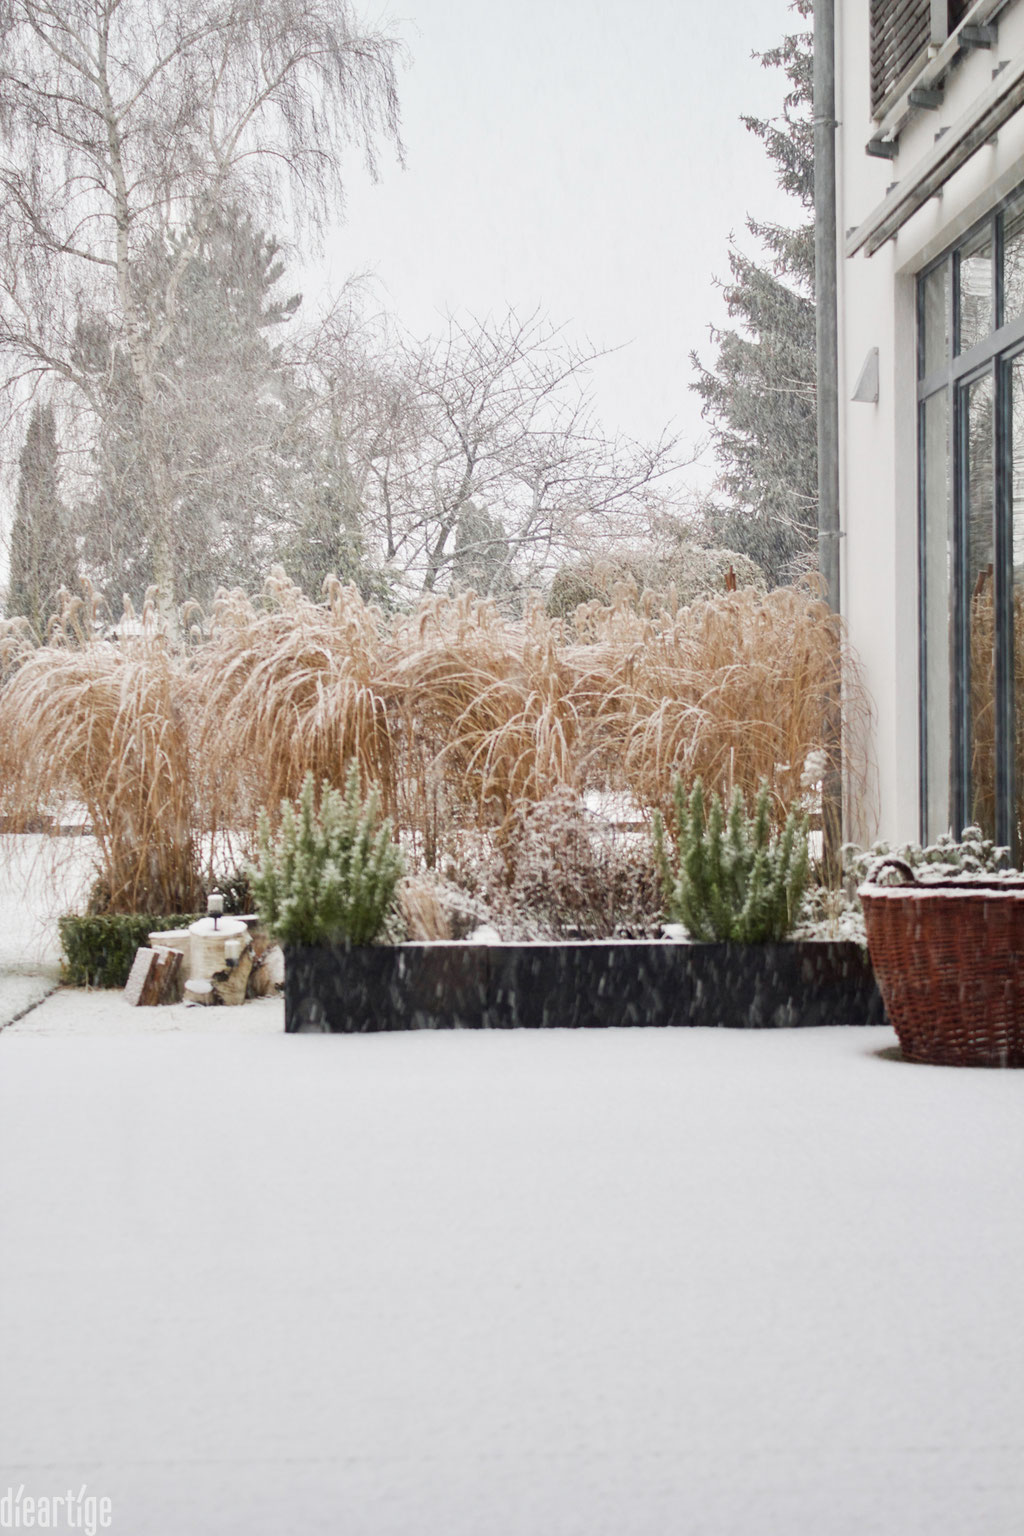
(284, 687)
(422, 909)
(103, 724)
(488, 705)
(460, 715)
(735, 689)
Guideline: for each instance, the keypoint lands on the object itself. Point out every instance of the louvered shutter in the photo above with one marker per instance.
(900, 33)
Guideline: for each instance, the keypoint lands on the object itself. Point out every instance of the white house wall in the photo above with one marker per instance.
(878, 455)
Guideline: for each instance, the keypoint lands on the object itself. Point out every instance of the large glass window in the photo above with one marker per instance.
(976, 416)
(971, 404)
(939, 663)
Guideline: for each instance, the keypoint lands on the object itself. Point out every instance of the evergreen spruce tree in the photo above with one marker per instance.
(481, 560)
(223, 420)
(759, 395)
(42, 548)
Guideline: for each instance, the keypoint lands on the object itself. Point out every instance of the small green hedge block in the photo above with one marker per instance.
(99, 950)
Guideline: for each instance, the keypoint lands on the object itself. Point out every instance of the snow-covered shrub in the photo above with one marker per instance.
(678, 569)
(330, 875)
(945, 859)
(729, 878)
(837, 913)
(563, 874)
(432, 907)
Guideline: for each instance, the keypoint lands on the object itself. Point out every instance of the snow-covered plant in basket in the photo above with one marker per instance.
(329, 876)
(946, 943)
(837, 913)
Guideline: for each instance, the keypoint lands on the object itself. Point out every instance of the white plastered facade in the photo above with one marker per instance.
(878, 440)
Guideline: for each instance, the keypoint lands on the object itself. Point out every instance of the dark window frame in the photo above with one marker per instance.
(995, 354)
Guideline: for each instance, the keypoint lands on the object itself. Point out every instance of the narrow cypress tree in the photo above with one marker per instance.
(42, 549)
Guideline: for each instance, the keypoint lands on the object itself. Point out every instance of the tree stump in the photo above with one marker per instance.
(229, 984)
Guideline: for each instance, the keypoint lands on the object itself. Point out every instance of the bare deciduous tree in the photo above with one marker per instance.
(128, 126)
(477, 454)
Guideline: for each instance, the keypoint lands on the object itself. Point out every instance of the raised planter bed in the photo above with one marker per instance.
(579, 985)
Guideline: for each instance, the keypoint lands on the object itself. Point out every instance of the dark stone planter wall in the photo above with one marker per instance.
(589, 986)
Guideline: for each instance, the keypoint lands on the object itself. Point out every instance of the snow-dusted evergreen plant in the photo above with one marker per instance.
(837, 914)
(329, 876)
(945, 859)
(728, 878)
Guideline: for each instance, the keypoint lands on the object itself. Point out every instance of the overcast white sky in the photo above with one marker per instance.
(584, 158)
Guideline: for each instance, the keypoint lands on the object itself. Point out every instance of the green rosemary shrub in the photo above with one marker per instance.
(329, 877)
(727, 877)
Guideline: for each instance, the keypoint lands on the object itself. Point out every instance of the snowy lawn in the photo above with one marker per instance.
(622, 1283)
(40, 877)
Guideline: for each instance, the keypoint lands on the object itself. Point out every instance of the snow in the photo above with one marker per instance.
(525, 1283)
(40, 877)
(555, 1282)
(74, 1011)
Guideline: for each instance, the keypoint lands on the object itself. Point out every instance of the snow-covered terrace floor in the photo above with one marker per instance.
(622, 1283)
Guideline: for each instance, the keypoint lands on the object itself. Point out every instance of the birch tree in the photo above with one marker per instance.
(127, 126)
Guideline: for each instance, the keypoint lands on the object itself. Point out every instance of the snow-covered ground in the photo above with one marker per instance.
(627, 1283)
(40, 877)
(559, 1283)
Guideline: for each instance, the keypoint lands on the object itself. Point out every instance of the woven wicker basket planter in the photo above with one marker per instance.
(950, 966)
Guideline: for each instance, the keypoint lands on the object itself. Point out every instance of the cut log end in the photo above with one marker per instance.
(155, 978)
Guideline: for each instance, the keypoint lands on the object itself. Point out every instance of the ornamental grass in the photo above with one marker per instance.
(459, 715)
(103, 726)
(284, 687)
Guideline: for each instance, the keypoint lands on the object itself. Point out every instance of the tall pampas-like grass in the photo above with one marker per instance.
(737, 691)
(104, 725)
(488, 706)
(460, 716)
(287, 687)
(734, 690)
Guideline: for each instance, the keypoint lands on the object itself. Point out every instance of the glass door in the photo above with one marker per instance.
(976, 416)
(1013, 628)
